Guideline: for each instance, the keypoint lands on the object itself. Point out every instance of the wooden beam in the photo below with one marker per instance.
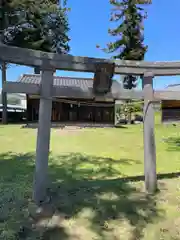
(18, 87)
(139, 95)
(157, 71)
(83, 64)
(149, 138)
(65, 92)
(43, 138)
(47, 60)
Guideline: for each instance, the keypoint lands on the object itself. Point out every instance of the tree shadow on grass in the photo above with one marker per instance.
(84, 197)
(173, 143)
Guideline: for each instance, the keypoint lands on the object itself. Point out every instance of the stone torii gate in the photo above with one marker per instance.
(49, 62)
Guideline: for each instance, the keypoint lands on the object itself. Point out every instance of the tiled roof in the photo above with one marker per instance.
(77, 84)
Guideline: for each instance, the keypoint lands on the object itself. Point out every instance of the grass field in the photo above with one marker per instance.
(96, 185)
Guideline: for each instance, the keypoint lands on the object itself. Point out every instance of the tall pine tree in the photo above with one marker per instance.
(128, 15)
(129, 34)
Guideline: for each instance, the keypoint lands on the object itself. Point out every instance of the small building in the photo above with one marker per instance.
(77, 102)
(15, 113)
(171, 108)
(16, 107)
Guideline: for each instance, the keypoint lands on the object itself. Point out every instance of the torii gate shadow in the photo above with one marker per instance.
(72, 191)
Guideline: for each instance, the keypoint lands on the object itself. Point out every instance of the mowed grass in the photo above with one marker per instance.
(95, 184)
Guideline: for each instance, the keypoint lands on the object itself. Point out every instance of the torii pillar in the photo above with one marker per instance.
(149, 136)
(43, 137)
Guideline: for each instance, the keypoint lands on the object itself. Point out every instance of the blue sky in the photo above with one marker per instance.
(89, 23)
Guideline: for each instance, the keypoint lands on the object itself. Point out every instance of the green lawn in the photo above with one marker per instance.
(94, 187)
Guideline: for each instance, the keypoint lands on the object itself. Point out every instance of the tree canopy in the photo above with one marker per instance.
(36, 24)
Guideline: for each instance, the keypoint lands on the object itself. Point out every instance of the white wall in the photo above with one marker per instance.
(21, 97)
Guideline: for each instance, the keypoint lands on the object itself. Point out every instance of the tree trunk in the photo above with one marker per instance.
(129, 118)
(37, 70)
(4, 95)
(129, 112)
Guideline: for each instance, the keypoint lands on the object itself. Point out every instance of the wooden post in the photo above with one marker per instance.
(149, 138)
(4, 24)
(43, 137)
(4, 95)
(37, 70)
